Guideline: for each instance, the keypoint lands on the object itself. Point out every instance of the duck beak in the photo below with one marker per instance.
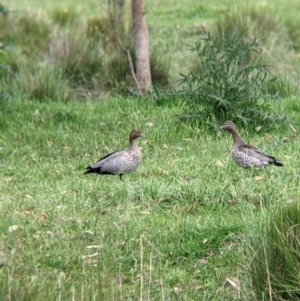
(143, 135)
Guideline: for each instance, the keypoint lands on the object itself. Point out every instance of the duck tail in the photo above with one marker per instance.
(89, 169)
(277, 163)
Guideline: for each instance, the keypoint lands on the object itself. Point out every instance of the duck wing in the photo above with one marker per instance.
(109, 164)
(259, 154)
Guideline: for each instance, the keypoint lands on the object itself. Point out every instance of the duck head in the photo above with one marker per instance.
(228, 125)
(136, 134)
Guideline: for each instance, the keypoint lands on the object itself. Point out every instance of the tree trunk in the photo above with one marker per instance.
(141, 39)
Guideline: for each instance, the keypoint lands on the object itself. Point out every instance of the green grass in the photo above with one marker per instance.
(275, 243)
(175, 228)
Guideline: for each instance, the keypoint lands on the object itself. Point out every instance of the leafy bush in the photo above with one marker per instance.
(229, 80)
(275, 255)
(279, 43)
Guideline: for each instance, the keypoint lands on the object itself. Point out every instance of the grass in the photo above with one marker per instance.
(276, 248)
(173, 229)
(177, 228)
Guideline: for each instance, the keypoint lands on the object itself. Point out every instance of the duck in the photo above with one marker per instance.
(119, 162)
(246, 155)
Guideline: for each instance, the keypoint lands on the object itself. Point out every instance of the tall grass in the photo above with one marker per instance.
(270, 31)
(275, 248)
(82, 54)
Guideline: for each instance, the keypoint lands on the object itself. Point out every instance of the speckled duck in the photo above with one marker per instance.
(246, 155)
(119, 162)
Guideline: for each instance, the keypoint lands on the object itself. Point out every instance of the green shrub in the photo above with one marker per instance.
(230, 81)
(31, 33)
(275, 255)
(96, 28)
(103, 29)
(278, 43)
(64, 17)
(42, 83)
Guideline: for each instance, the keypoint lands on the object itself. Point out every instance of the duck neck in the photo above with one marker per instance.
(132, 144)
(236, 137)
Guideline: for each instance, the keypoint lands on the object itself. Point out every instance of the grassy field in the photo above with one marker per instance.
(176, 229)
